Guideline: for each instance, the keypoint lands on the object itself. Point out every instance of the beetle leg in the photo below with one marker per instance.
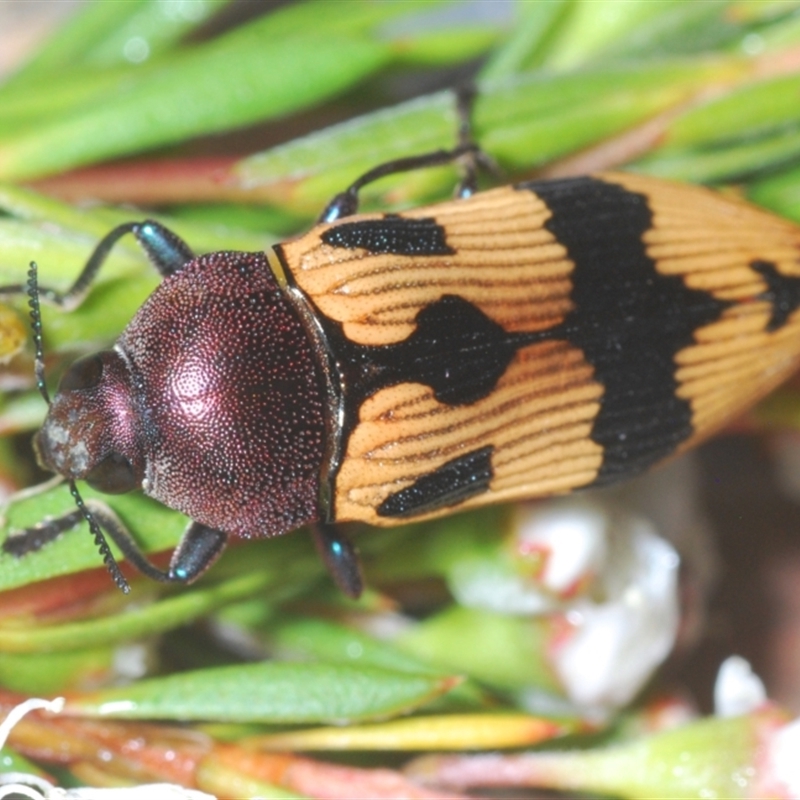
(340, 558)
(166, 251)
(29, 540)
(470, 161)
(198, 549)
(467, 153)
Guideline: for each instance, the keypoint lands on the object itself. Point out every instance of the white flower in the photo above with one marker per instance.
(738, 690)
(783, 758)
(614, 644)
(603, 576)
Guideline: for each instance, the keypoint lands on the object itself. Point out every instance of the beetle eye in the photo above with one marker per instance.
(113, 475)
(83, 374)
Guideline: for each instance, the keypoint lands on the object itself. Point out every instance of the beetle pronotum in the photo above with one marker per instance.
(528, 340)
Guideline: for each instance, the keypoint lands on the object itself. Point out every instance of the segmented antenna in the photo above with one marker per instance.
(36, 326)
(100, 541)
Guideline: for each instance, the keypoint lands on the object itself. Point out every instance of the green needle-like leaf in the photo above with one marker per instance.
(271, 692)
(213, 87)
(521, 122)
(135, 623)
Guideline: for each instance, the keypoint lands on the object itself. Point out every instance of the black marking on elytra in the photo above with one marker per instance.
(455, 349)
(400, 236)
(783, 293)
(454, 482)
(628, 319)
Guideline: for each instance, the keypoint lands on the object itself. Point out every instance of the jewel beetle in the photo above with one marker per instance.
(508, 344)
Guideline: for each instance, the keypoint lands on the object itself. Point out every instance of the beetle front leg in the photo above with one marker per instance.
(199, 547)
(166, 251)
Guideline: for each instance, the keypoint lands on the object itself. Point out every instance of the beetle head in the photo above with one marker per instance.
(89, 431)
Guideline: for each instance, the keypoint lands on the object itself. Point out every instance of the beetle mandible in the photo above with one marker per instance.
(523, 341)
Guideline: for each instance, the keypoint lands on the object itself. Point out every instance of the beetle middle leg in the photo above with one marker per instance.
(166, 251)
(340, 558)
(466, 153)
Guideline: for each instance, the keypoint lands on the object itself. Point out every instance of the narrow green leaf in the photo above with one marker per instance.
(24, 106)
(714, 165)
(595, 26)
(782, 36)
(270, 692)
(320, 640)
(152, 29)
(108, 35)
(216, 86)
(429, 732)
(441, 48)
(226, 781)
(267, 67)
(752, 110)
(522, 122)
(780, 193)
(762, 10)
(135, 622)
(69, 43)
(43, 674)
(610, 31)
(352, 17)
(527, 46)
(502, 651)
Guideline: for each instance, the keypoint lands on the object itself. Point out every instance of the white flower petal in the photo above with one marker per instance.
(616, 645)
(784, 754)
(738, 690)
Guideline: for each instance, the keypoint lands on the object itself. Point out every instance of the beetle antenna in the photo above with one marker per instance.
(36, 325)
(100, 541)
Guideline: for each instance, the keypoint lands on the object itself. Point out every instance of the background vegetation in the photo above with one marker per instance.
(234, 123)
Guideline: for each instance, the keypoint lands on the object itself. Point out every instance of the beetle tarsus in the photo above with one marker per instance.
(467, 154)
(167, 252)
(340, 558)
(199, 548)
